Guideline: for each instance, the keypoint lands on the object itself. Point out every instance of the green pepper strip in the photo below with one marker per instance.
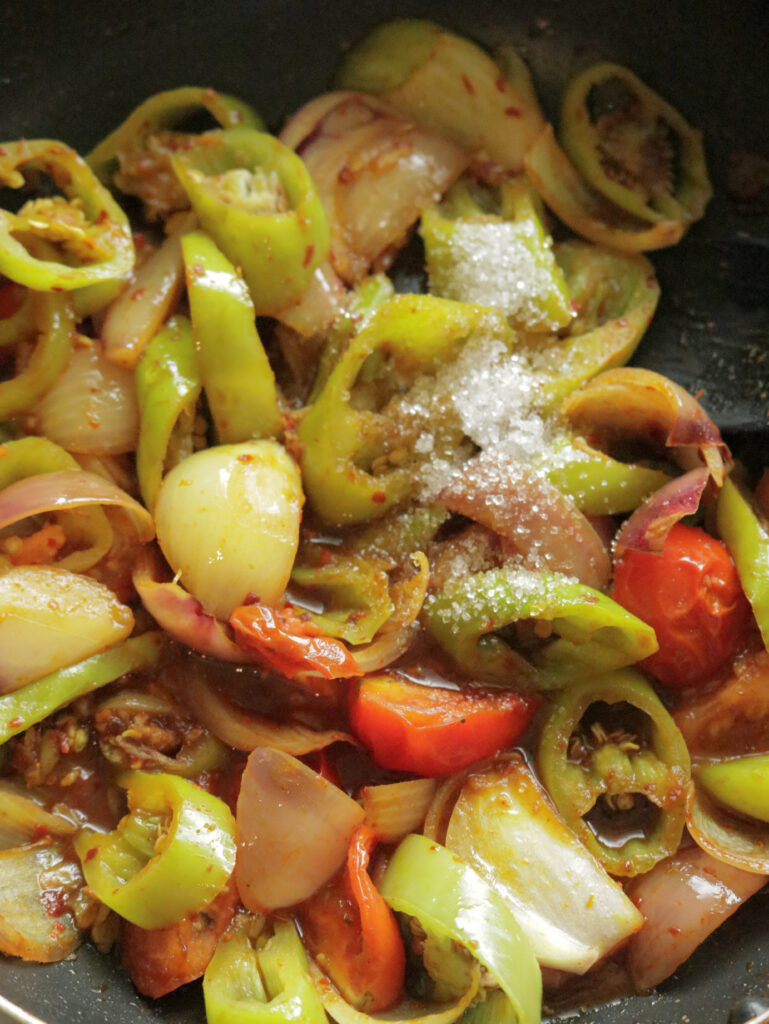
(29, 456)
(107, 235)
(615, 297)
(255, 982)
(453, 232)
(35, 701)
(596, 483)
(164, 111)
(599, 142)
(748, 541)
(595, 633)
(256, 199)
(418, 332)
(18, 325)
(427, 881)
(655, 764)
(55, 324)
(355, 594)
(167, 389)
(399, 534)
(170, 856)
(236, 374)
(366, 299)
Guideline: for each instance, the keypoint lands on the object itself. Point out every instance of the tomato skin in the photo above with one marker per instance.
(434, 731)
(691, 596)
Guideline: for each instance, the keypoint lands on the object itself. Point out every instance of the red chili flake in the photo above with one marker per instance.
(326, 557)
(674, 931)
(622, 321)
(379, 497)
(513, 112)
(101, 217)
(574, 305)
(54, 902)
(15, 723)
(345, 176)
(501, 83)
(57, 929)
(245, 459)
(3, 151)
(357, 615)
(90, 854)
(468, 85)
(199, 269)
(309, 252)
(41, 831)
(138, 294)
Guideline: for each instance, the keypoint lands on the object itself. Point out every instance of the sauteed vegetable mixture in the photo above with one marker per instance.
(364, 651)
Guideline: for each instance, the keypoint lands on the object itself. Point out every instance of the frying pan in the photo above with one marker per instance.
(73, 70)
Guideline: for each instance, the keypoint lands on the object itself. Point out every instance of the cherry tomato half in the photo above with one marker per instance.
(692, 597)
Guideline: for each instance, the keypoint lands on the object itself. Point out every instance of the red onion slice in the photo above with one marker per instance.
(68, 489)
(648, 527)
(294, 828)
(683, 899)
(542, 524)
(640, 403)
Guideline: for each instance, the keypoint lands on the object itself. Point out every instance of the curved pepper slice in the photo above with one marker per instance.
(236, 374)
(741, 784)
(614, 297)
(417, 332)
(255, 198)
(19, 324)
(92, 228)
(586, 211)
(454, 904)
(747, 538)
(636, 749)
(493, 250)
(253, 981)
(442, 81)
(633, 147)
(55, 324)
(170, 856)
(35, 701)
(164, 111)
(167, 389)
(594, 633)
(356, 595)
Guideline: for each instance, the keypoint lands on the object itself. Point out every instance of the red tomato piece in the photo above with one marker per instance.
(691, 596)
(432, 731)
(290, 644)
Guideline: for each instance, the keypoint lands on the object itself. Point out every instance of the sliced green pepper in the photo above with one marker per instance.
(166, 110)
(633, 147)
(340, 441)
(35, 701)
(355, 594)
(442, 81)
(236, 374)
(747, 538)
(615, 297)
(365, 299)
(639, 751)
(398, 534)
(92, 228)
(741, 784)
(253, 981)
(170, 856)
(167, 389)
(594, 633)
(56, 326)
(490, 247)
(451, 902)
(255, 198)
(18, 325)
(596, 483)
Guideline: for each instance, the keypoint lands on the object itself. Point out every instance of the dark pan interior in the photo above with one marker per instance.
(73, 70)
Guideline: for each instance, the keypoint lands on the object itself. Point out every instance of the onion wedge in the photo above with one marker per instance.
(683, 899)
(648, 527)
(294, 828)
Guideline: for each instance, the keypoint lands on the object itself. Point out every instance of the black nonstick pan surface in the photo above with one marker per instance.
(73, 70)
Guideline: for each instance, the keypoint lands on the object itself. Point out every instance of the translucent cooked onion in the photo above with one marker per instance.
(683, 899)
(394, 810)
(27, 930)
(22, 819)
(51, 618)
(374, 171)
(227, 520)
(294, 828)
(91, 408)
(566, 904)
